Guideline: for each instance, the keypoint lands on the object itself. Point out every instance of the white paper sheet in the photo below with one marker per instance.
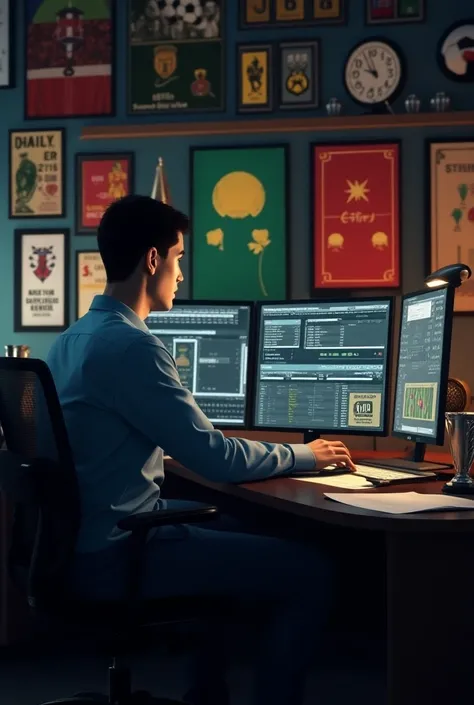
(402, 502)
(350, 482)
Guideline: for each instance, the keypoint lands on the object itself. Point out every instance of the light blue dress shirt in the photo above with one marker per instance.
(124, 407)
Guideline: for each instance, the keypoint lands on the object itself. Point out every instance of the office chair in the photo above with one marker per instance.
(43, 488)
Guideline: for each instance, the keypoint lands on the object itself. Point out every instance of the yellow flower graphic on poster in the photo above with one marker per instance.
(239, 223)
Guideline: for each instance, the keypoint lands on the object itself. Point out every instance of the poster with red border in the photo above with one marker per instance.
(101, 179)
(356, 219)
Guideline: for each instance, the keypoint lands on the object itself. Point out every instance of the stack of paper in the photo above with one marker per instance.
(348, 482)
(402, 502)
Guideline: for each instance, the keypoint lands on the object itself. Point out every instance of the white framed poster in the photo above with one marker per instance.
(451, 169)
(41, 290)
(6, 53)
(37, 168)
(90, 279)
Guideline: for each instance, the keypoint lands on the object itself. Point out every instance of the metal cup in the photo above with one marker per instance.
(460, 430)
(17, 350)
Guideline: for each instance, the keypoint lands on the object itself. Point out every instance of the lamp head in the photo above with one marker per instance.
(451, 275)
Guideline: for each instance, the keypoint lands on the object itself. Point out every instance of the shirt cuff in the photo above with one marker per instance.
(304, 457)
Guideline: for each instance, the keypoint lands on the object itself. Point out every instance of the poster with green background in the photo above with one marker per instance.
(239, 223)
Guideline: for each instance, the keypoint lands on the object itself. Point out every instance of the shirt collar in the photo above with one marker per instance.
(103, 302)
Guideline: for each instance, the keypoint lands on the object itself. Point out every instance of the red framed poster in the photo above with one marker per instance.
(356, 219)
(100, 180)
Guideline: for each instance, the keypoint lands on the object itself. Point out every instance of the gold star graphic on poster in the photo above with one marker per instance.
(357, 191)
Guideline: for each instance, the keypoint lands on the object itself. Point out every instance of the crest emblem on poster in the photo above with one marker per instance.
(165, 61)
(42, 262)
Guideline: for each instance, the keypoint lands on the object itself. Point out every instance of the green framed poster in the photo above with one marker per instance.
(239, 211)
(176, 58)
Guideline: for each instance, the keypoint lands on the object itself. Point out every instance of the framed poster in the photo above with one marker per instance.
(254, 78)
(390, 11)
(290, 13)
(37, 188)
(90, 279)
(7, 79)
(299, 74)
(451, 222)
(176, 60)
(239, 205)
(69, 58)
(356, 218)
(100, 179)
(41, 282)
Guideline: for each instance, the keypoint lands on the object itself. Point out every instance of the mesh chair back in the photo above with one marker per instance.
(45, 495)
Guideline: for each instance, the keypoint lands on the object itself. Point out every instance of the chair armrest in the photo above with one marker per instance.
(196, 514)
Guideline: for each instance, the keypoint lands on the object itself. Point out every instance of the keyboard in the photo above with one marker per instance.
(387, 475)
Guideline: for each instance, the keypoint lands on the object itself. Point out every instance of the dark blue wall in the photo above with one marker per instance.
(418, 42)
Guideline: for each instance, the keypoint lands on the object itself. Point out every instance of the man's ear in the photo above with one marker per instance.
(152, 261)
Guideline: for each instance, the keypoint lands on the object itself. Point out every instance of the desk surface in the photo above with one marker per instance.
(305, 499)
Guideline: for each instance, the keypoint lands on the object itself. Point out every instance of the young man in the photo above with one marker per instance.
(124, 407)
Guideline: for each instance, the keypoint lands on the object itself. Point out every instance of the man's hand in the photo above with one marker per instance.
(331, 453)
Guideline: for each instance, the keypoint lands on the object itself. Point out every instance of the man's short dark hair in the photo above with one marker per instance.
(130, 227)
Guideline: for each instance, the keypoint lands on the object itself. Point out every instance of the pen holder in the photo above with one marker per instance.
(460, 430)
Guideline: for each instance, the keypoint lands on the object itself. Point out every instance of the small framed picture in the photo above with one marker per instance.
(254, 13)
(299, 74)
(390, 11)
(100, 180)
(37, 168)
(90, 279)
(255, 79)
(7, 76)
(41, 280)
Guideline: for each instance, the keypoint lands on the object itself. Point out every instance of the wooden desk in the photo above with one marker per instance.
(429, 582)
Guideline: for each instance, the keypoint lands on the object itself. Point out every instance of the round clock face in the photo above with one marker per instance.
(373, 72)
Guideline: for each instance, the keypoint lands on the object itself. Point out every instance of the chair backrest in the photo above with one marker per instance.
(37, 473)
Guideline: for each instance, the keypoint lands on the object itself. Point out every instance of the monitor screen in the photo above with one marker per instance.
(423, 361)
(209, 343)
(322, 366)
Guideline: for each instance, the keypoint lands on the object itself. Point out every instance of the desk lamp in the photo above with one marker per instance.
(451, 275)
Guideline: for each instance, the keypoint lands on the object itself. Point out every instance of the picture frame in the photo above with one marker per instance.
(101, 178)
(41, 280)
(255, 80)
(90, 279)
(69, 76)
(354, 246)
(157, 47)
(380, 12)
(7, 55)
(240, 214)
(452, 44)
(302, 13)
(37, 168)
(450, 206)
(299, 75)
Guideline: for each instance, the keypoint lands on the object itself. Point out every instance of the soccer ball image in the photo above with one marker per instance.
(190, 11)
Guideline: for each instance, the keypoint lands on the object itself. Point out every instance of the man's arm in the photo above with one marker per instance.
(149, 394)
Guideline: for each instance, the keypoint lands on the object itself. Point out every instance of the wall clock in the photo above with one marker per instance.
(456, 52)
(374, 72)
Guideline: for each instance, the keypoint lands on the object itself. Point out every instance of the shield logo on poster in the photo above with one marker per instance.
(42, 262)
(165, 63)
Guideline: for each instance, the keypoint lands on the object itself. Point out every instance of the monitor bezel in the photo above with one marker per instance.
(324, 431)
(437, 440)
(216, 302)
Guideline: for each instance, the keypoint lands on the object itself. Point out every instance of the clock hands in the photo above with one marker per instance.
(371, 66)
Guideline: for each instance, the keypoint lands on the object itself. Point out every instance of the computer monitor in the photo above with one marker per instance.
(209, 342)
(322, 366)
(422, 370)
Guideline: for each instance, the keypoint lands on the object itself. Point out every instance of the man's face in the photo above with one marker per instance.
(167, 277)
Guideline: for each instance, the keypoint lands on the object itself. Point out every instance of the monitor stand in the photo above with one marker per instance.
(309, 436)
(413, 461)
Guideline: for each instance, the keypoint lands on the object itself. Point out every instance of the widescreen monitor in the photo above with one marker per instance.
(323, 366)
(209, 342)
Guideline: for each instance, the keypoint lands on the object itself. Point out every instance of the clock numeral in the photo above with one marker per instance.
(358, 86)
(355, 75)
(370, 93)
(389, 61)
(358, 63)
(372, 52)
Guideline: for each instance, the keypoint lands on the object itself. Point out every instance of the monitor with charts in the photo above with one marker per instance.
(323, 366)
(423, 366)
(209, 342)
